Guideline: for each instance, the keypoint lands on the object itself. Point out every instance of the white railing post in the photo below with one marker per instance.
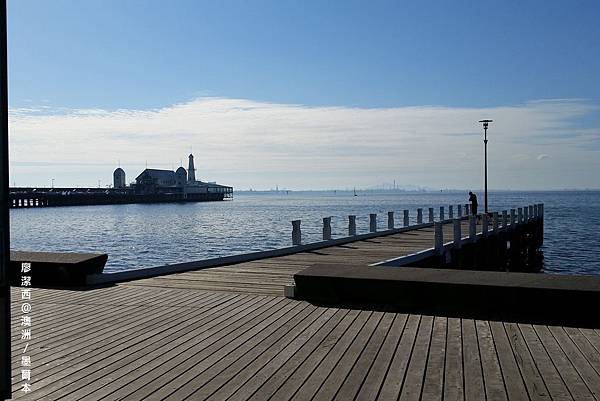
(457, 233)
(372, 222)
(439, 237)
(472, 227)
(351, 225)
(326, 228)
(296, 233)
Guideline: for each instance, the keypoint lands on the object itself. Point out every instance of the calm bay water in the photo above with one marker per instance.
(148, 235)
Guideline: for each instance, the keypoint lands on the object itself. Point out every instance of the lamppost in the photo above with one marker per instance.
(485, 127)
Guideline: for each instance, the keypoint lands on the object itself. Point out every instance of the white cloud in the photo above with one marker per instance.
(542, 156)
(249, 143)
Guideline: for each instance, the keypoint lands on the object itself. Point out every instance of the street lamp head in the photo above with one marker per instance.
(485, 122)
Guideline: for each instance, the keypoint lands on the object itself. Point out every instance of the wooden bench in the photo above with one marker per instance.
(56, 269)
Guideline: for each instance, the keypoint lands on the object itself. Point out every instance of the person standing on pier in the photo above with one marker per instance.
(473, 200)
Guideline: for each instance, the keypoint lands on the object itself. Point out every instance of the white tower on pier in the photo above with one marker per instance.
(191, 170)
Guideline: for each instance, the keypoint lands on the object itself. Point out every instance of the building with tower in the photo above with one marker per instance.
(191, 169)
(157, 181)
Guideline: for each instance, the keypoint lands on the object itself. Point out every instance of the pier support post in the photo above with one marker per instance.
(326, 228)
(442, 213)
(504, 219)
(419, 216)
(520, 215)
(438, 228)
(472, 227)
(351, 225)
(535, 211)
(406, 219)
(457, 233)
(513, 217)
(390, 220)
(484, 224)
(373, 222)
(466, 209)
(450, 212)
(525, 214)
(431, 215)
(496, 222)
(459, 211)
(531, 216)
(296, 233)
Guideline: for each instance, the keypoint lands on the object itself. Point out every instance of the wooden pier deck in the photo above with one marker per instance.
(136, 342)
(228, 333)
(269, 276)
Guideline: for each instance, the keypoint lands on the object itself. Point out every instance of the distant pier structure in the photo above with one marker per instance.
(151, 186)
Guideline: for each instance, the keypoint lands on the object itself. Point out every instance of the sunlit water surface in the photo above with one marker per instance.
(147, 235)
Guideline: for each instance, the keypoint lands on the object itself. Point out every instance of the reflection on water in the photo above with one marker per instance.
(139, 236)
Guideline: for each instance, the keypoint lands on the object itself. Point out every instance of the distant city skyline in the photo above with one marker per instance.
(306, 96)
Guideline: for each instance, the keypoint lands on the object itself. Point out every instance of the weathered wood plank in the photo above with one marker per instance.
(395, 376)
(364, 362)
(90, 344)
(552, 379)
(205, 366)
(413, 383)
(515, 386)
(581, 364)
(89, 371)
(374, 380)
(307, 363)
(278, 370)
(269, 357)
(453, 370)
(433, 386)
(531, 376)
(318, 376)
(356, 352)
(492, 376)
(566, 370)
(198, 348)
(472, 369)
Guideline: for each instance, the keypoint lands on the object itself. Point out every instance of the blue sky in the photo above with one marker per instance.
(131, 63)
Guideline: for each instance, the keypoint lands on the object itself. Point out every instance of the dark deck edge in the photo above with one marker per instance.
(561, 299)
(111, 278)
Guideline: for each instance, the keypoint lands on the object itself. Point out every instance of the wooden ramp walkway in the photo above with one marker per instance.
(269, 276)
(140, 342)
